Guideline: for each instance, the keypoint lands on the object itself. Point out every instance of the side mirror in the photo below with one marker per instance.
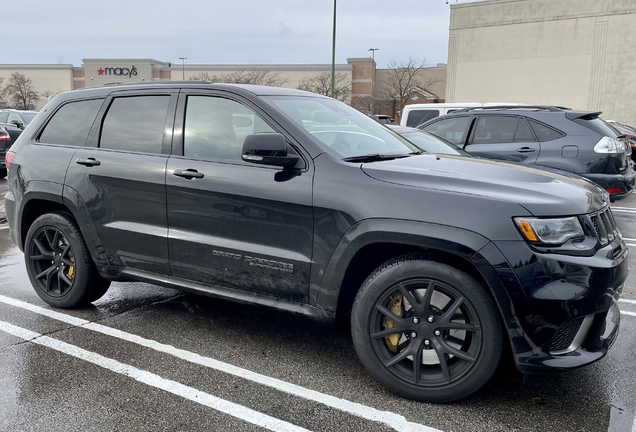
(267, 149)
(17, 123)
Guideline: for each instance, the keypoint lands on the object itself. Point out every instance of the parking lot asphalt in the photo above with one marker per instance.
(147, 358)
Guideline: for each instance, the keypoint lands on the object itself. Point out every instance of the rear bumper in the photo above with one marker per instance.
(626, 182)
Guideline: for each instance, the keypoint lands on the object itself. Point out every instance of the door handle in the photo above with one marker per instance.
(188, 173)
(89, 162)
(526, 150)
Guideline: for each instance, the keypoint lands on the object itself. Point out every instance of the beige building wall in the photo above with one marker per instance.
(293, 74)
(45, 78)
(575, 53)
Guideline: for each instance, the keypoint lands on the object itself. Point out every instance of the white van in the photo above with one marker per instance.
(416, 114)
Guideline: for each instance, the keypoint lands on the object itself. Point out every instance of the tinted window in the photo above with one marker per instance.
(135, 124)
(4, 117)
(543, 132)
(215, 128)
(451, 129)
(524, 134)
(495, 129)
(27, 117)
(417, 117)
(71, 123)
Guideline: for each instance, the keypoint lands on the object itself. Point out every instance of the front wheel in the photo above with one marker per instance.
(425, 330)
(58, 263)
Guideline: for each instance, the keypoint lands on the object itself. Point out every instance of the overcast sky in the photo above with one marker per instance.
(225, 32)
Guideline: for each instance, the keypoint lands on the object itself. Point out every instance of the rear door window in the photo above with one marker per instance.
(135, 124)
(417, 117)
(70, 124)
(452, 129)
(4, 117)
(495, 130)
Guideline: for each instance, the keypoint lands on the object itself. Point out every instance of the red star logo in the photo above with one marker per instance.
(100, 71)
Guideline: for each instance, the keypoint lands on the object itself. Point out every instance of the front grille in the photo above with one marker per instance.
(566, 333)
(603, 226)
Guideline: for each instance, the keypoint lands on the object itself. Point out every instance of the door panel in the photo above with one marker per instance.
(236, 224)
(123, 187)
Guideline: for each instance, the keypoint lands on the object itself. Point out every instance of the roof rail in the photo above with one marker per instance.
(158, 82)
(519, 107)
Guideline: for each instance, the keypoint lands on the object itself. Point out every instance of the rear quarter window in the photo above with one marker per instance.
(544, 132)
(70, 124)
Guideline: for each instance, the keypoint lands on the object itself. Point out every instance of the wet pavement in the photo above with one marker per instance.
(147, 358)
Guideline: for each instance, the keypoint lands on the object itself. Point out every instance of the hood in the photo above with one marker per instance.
(543, 192)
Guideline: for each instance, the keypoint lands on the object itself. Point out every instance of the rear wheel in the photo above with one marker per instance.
(426, 330)
(3, 173)
(58, 263)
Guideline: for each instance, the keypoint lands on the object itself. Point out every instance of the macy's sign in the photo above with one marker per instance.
(129, 72)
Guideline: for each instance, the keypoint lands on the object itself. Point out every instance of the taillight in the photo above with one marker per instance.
(614, 190)
(8, 161)
(4, 136)
(608, 145)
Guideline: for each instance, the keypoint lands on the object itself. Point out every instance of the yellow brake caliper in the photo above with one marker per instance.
(395, 306)
(71, 269)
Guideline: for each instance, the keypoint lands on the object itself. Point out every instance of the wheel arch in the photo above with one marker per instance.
(370, 243)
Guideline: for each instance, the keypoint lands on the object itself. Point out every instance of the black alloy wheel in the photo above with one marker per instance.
(53, 260)
(426, 331)
(58, 263)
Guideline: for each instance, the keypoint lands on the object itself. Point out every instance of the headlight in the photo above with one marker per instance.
(549, 231)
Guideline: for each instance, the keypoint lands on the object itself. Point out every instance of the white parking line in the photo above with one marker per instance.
(388, 418)
(222, 405)
(617, 210)
(623, 208)
(630, 244)
(4, 227)
(628, 313)
(627, 301)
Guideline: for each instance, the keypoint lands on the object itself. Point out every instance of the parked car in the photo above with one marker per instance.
(382, 118)
(575, 141)
(439, 263)
(415, 114)
(5, 141)
(427, 142)
(13, 122)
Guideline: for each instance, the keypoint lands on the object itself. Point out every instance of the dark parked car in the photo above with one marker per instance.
(629, 133)
(439, 263)
(5, 143)
(426, 141)
(382, 118)
(12, 123)
(574, 141)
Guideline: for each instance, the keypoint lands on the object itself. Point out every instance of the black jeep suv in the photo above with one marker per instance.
(292, 200)
(575, 141)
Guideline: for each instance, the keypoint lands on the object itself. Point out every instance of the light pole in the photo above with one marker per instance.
(183, 59)
(333, 53)
(373, 50)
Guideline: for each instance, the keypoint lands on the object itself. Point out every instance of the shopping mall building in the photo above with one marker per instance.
(50, 79)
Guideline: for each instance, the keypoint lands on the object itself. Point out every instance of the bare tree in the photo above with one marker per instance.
(383, 102)
(245, 76)
(405, 78)
(321, 84)
(3, 93)
(20, 92)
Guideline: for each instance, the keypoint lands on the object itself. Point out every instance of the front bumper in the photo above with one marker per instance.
(565, 305)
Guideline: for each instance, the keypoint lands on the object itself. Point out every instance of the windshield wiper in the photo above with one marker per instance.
(376, 157)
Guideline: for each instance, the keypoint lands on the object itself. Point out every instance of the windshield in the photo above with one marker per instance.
(432, 144)
(27, 117)
(341, 128)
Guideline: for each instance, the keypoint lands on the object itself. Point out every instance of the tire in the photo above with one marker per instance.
(3, 173)
(414, 308)
(59, 265)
